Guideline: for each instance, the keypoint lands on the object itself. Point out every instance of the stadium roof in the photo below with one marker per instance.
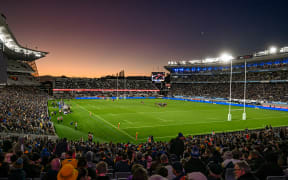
(12, 48)
(239, 59)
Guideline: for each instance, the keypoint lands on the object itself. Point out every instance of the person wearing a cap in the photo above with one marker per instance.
(67, 172)
(17, 171)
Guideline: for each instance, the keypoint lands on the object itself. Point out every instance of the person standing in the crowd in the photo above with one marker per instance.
(243, 172)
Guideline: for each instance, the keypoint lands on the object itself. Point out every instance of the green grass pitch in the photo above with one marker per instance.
(163, 123)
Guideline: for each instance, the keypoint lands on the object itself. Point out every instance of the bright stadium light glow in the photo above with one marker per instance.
(226, 57)
(273, 50)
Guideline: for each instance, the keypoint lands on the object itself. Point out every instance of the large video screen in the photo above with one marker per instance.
(158, 76)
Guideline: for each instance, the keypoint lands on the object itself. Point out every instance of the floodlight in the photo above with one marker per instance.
(226, 57)
(273, 50)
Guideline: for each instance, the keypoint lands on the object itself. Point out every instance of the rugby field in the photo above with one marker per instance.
(164, 123)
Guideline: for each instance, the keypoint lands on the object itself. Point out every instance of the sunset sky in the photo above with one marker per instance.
(93, 38)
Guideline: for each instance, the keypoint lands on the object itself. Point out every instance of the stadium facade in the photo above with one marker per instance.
(17, 63)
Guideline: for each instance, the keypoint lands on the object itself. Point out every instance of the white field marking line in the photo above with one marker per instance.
(102, 119)
(173, 125)
(198, 123)
(236, 109)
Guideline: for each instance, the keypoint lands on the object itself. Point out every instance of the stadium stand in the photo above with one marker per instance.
(260, 154)
(114, 85)
(24, 110)
(17, 62)
(101, 83)
(266, 79)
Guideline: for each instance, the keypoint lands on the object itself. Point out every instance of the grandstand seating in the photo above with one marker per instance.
(24, 110)
(104, 83)
(255, 91)
(264, 82)
(96, 83)
(223, 147)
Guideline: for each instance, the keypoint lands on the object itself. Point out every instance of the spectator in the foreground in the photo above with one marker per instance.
(177, 145)
(163, 172)
(89, 158)
(53, 171)
(243, 171)
(194, 164)
(140, 160)
(270, 167)
(230, 159)
(83, 174)
(214, 171)
(4, 166)
(255, 160)
(91, 167)
(123, 165)
(133, 169)
(196, 176)
(70, 160)
(17, 171)
(178, 171)
(165, 162)
(67, 172)
(157, 177)
(101, 170)
(140, 174)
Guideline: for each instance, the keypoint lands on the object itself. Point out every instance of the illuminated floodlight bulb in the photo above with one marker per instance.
(226, 57)
(273, 50)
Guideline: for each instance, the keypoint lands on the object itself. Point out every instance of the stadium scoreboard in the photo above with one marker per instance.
(158, 76)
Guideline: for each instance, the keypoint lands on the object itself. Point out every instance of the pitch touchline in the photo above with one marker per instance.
(107, 122)
(193, 123)
(174, 125)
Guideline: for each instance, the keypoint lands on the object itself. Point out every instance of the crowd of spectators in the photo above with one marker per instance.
(264, 85)
(101, 83)
(254, 91)
(250, 76)
(24, 110)
(245, 154)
